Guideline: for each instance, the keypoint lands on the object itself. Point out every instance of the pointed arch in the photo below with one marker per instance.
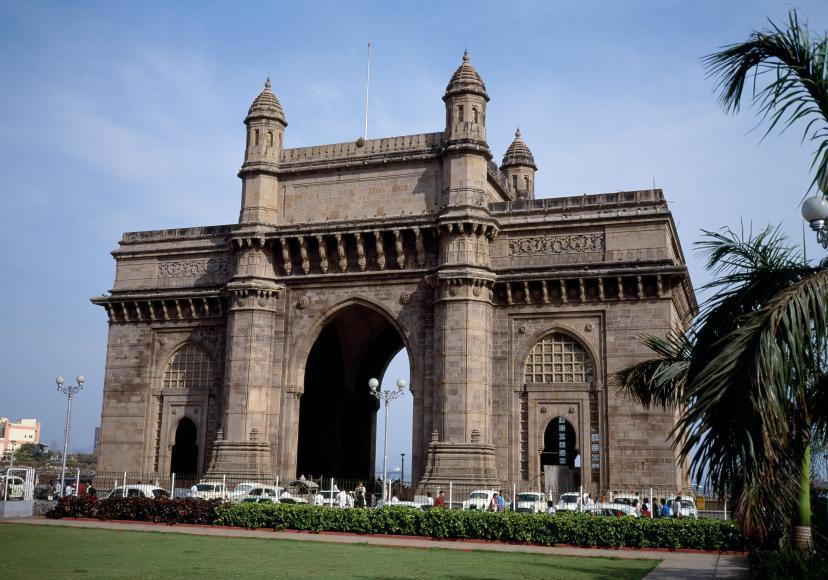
(558, 358)
(190, 366)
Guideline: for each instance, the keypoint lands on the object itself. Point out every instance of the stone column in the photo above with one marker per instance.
(461, 447)
(253, 322)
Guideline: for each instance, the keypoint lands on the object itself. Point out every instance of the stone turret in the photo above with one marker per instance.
(519, 168)
(265, 137)
(465, 100)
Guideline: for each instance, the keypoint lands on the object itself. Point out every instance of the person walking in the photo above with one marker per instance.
(501, 503)
(359, 495)
(493, 504)
(665, 508)
(677, 507)
(440, 502)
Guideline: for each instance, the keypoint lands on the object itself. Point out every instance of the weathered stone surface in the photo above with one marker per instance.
(344, 254)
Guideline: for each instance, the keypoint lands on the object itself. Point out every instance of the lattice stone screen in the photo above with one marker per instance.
(557, 358)
(189, 366)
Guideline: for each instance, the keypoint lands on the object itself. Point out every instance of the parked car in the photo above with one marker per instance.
(270, 491)
(479, 499)
(688, 507)
(209, 490)
(570, 501)
(244, 490)
(530, 502)
(286, 498)
(260, 499)
(138, 490)
(613, 509)
(627, 498)
(11, 487)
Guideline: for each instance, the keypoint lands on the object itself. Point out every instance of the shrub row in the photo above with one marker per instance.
(161, 510)
(543, 529)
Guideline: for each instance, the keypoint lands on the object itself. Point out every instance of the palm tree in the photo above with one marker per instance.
(789, 73)
(748, 379)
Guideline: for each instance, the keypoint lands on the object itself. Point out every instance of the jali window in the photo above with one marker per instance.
(558, 358)
(189, 366)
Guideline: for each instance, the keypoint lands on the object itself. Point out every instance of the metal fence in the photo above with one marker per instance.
(328, 491)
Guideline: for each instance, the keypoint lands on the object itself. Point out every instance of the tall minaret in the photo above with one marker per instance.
(260, 183)
(519, 168)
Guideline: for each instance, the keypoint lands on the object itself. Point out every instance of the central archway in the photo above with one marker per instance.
(337, 414)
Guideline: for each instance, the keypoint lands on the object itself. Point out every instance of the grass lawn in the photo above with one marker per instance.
(35, 551)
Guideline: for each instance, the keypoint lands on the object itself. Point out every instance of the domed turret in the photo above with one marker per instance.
(466, 79)
(466, 100)
(265, 136)
(519, 168)
(266, 106)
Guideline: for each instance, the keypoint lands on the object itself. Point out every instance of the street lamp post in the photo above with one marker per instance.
(11, 457)
(70, 391)
(386, 397)
(402, 470)
(815, 212)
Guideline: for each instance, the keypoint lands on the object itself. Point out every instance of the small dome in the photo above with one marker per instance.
(466, 80)
(518, 154)
(267, 106)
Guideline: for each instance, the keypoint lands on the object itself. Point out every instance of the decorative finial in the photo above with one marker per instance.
(466, 55)
(267, 83)
(517, 133)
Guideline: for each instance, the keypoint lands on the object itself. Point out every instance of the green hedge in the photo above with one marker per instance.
(543, 529)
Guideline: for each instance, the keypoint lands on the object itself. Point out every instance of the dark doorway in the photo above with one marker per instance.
(185, 451)
(338, 415)
(559, 443)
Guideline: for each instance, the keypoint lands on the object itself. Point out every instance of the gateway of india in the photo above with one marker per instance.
(246, 349)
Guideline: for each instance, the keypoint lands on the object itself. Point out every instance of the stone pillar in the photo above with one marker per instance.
(461, 448)
(252, 324)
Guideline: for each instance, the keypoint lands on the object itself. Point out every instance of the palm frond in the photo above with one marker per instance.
(747, 412)
(789, 73)
(657, 382)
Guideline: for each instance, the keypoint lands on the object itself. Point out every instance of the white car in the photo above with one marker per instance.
(628, 499)
(270, 491)
(479, 499)
(570, 502)
(138, 490)
(613, 509)
(688, 507)
(209, 490)
(252, 489)
(530, 502)
(14, 487)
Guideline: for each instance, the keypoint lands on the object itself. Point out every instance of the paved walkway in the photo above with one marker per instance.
(674, 565)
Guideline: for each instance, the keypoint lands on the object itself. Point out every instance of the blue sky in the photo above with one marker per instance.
(119, 117)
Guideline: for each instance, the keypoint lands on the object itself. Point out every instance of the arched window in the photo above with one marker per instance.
(558, 358)
(525, 183)
(459, 113)
(514, 182)
(256, 137)
(188, 367)
(475, 118)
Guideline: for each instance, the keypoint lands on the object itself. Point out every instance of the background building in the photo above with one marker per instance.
(247, 348)
(24, 431)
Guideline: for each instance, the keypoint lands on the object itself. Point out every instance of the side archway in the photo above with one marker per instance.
(184, 458)
(560, 367)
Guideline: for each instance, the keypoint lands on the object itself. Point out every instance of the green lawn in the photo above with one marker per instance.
(35, 551)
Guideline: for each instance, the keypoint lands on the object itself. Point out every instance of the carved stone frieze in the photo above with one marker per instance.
(193, 268)
(558, 244)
